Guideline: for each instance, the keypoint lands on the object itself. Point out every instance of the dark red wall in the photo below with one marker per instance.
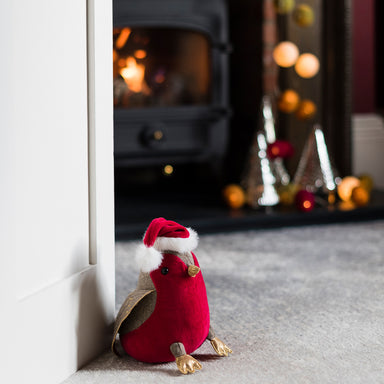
(363, 53)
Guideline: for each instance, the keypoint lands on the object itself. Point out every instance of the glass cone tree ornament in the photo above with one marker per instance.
(315, 171)
(258, 180)
(268, 124)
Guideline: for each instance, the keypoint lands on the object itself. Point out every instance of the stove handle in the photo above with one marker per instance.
(153, 135)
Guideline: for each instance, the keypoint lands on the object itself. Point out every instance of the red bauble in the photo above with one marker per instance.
(305, 201)
(280, 148)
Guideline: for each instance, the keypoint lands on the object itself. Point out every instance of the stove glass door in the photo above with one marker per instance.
(160, 67)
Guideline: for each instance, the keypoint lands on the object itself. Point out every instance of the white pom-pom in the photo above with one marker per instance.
(148, 259)
(193, 239)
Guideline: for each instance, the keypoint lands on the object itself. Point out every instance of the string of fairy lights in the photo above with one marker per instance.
(316, 181)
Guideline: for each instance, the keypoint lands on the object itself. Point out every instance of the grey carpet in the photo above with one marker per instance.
(296, 305)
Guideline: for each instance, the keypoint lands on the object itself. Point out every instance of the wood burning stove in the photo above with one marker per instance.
(170, 81)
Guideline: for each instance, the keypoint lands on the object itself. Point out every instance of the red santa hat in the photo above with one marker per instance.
(164, 235)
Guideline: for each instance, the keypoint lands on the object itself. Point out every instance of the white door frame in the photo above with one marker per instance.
(50, 333)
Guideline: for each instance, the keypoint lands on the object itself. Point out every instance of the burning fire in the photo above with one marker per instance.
(129, 65)
(133, 75)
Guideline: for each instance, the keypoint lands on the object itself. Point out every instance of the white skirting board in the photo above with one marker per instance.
(368, 147)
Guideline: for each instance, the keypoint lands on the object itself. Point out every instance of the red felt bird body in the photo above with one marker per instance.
(181, 314)
(167, 317)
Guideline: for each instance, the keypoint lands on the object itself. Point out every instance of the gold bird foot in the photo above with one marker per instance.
(220, 348)
(187, 364)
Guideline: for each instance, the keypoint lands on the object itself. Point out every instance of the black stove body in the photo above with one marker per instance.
(170, 82)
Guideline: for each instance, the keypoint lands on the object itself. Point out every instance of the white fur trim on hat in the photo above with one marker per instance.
(150, 258)
(177, 244)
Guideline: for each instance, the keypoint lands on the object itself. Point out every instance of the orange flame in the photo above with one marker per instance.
(123, 37)
(140, 54)
(133, 75)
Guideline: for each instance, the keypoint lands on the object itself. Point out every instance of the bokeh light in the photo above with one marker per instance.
(307, 65)
(285, 54)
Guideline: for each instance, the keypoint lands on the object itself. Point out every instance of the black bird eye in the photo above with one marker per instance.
(164, 270)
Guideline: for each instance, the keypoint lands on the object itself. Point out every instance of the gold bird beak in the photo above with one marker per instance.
(193, 270)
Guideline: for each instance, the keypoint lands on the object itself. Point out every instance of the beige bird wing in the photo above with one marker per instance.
(139, 304)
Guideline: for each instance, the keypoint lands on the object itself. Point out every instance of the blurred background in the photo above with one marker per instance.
(229, 109)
